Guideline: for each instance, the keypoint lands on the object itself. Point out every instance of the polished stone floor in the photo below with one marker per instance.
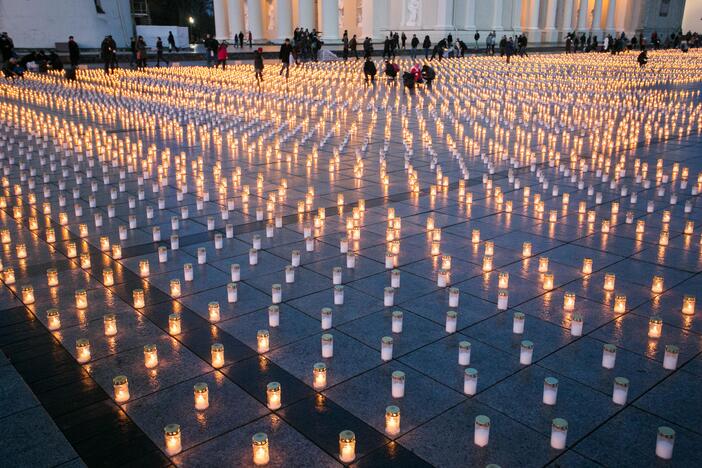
(466, 201)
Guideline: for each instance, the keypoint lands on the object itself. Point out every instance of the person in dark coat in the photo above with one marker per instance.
(386, 47)
(414, 43)
(11, 69)
(369, 70)
(429, 75)
(159, 53)
(258, 65)
(509, 49)
(141, 53)
(345, 42)
(113, 45)
(54, 62)
(503, 46)
(642, 58)
(353, 45)
(367, 48)
(284, 55)
(250, 40)
(439, 49)
(241, 39)
(73, 52)
(403, 38)
(171, 42)
(6, 47)
(132, 48)
(426, 45)
(106, 52)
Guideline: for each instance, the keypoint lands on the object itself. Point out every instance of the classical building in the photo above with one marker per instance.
(544, 21)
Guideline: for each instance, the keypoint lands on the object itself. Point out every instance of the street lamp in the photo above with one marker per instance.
(191, 20)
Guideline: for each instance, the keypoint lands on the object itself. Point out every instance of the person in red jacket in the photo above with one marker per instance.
(222, 55)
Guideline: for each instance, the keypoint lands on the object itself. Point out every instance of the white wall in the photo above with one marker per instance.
(151, 33)
(692, 19)
(41, 23)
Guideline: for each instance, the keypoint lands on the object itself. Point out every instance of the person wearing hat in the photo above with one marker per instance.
(258, 65)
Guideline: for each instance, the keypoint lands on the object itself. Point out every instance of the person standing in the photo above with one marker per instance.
(404, 40)
(284, 55)
(353, 45)
(222, 55)
(141, 53)
(250, 40)
(241, 39)
(414, 43)
(171, 42)
(369, 70)
(236, 40)
(113, 45)
(345, 42)
(509, 49)
(73, 52)
(367, 48)
(132, 49)
(258, 65)
(211, 47)
(106, 54)
(426, 45)
(6, 47)
(476, 36)
(159, 53)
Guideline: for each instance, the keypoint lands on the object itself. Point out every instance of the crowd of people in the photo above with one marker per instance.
(307, 45)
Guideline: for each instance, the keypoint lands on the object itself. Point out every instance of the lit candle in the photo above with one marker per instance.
(397, 318)
(663, 239)
(295, 258)
(489, 247)
(144, 268)
(326, 318)
(620, 303)
(609, 280)
(395, 278)
(518, 320)
(665, 442)
(172, 439)
(347, 446)
(71, 250)
(116, 251)
(470, 381)
(121, 388)
(670, 358)
(487, 263)
(175, 288)
(52, 277)
(162, 254)
(576, 325)
(201, 394)
(28, 295)
(657, 285)
(82, 350)
(217, 352)
(526, 249)
(481, 434)
(587, 266)
(526, 352)
(548, 281)
(502, 299)
(138, 297)
(392, 420)
(386, 348)
(21, 250)
(475, 236)
(110, 323)
(9, 275)
(108, 277)
(327, 345)
(259, 445)
(398, 384)
(569, 301)
(53, 318)
(262, 341)
(213, 311)
(559, 432)
(289, 274)
(620, 391)
(688, 307)
(273, 395)
(174, 324)
(85, 261)
(150, 356)
(454, 296)
(550, 391)
(201, 256)
(503, 280)
(543, 264)
(319, 375)
(609, 356)
(655, 327)
(276, 294)
(81, 299)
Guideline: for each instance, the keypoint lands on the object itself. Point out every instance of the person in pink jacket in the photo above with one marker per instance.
(222, 55)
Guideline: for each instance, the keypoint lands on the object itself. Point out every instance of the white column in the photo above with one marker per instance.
(597, 21)
(582, 16)
(330, 19)
(550, 25)
(255, 20)
(444, 14)
(517, 16)
(567, 16)
(534, 33)
(375, 26)
(611, 9)
(220, 17)
(497, 7)
(469, 15)
(305, 13)
(283, 12)
(235, 12)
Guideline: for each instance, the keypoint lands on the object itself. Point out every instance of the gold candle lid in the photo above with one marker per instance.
(149, 348)
(273, 387)
(259, 438)
(452, 314)
(392, 410)
(527, 344)
(673, 349)
(666, 432)
(482, 420)
(320, 367)
(82, 342)
(471, 373)
(217, 347)
(386, 340)
(519, 315)
(327, 337)
(621, 381)
(398, 375)
(53, 312)
(119, 380)
(326, 311)
(610, 348)
(347, 436)
(397, 314)
(200, 387)
(551, 382)
(172, 429)
(560, 424)
(262, 334)
(464, 345)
